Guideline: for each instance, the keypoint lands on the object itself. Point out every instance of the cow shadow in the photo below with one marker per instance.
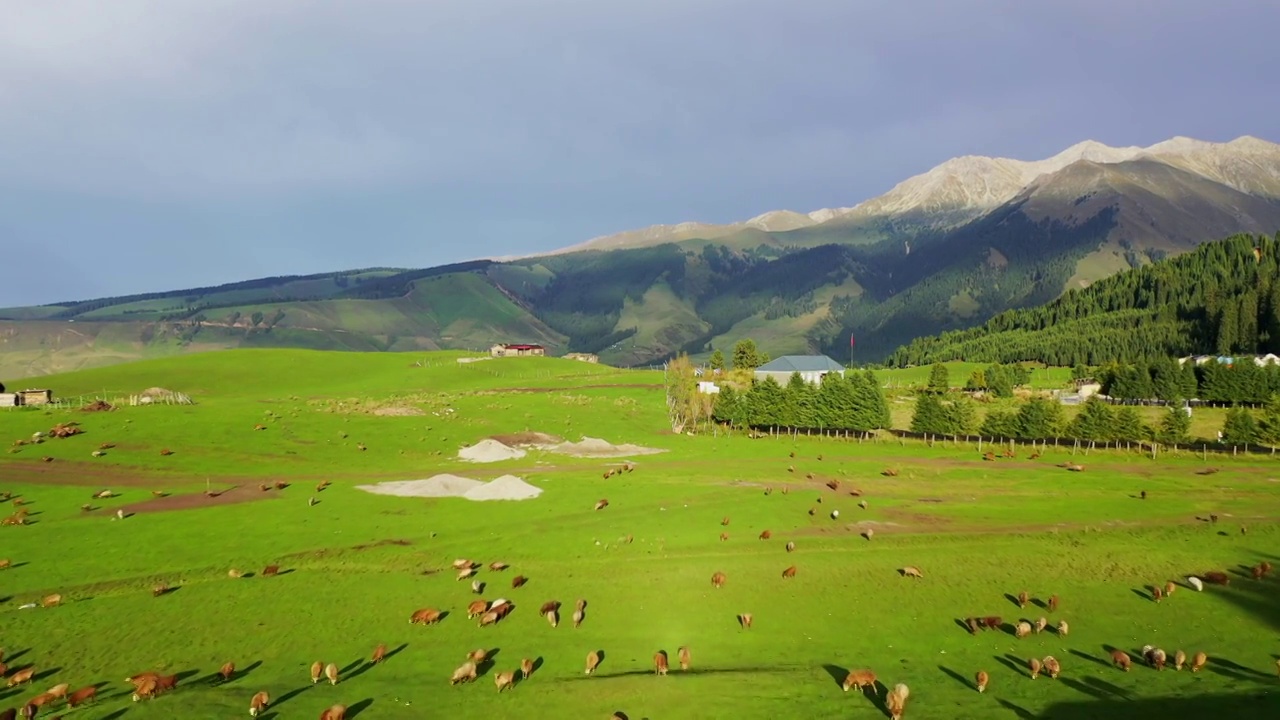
(956, 676)
(837, 673)
(117, 714)
(1227, 668)
(392, 653)
(1086, 656)
(277, 702)
(1020, 712)
(17, 565)
(1243, 571)
(1143, 593)
(43, 674)
(537, 663)
(1013, 599)
(286, 571)
(168, 591)
(356, 709)
(1082, 688)
(350, 667)
(1013, 662)
(1107, 687)
(964, 625)
(186, 674)
(6, 598)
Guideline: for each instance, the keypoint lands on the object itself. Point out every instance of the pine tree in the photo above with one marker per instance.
(1000, 424)
(765, 403)
(1039, 418)
(745, 355)
(836, 403)
(929, 415)
(999, 382)
(1269, 424)
(727, 404)
(870, 398)
(1129, 426)
(1019, 374)
(1095, 421)
(939, 379)
(1175, 426)
(961, 415)
(717, 360)
(1239, 427)
(977, 380)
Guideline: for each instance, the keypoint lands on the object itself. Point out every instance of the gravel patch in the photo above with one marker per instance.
(489, 450)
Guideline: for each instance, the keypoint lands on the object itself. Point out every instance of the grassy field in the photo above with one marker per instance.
(357, 565)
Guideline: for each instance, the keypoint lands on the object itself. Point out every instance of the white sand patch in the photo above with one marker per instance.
(489, 450)
(438, 486)
(507, 487)
(595, 447)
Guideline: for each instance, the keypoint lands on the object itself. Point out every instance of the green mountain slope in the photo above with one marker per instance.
(1223, 297)
(941, 252)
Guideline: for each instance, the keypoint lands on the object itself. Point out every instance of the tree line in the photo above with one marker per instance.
(851, 402)
(1242, 382)
(1223, 297)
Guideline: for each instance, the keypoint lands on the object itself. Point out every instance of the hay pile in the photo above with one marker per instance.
(489, 450)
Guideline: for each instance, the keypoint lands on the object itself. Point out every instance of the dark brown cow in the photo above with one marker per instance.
(1214, 577)
(270, 570)
(660, 662)
(518, 580)
(766, 535)
(337, 712)
(83, 695)
(789, 572)
(717, 580)
(1053, 603)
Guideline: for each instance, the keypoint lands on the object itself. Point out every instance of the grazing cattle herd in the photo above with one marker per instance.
(151, 684)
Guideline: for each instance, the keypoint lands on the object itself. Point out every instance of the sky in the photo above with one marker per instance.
(151, 145)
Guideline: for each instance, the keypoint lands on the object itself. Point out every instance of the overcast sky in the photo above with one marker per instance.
(156, 144)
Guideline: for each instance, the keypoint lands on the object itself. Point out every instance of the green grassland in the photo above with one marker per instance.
(359, 564)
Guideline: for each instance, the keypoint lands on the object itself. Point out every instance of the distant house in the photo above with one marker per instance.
(8, 399)
(516, 350)
(583, 357)
(708, 388)
(811, 367)
(35, 397)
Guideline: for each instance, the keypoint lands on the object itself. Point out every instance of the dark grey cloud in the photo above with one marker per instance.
(149, 144)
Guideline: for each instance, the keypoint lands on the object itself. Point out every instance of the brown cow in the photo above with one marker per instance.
(1121, 659)
(424, 616)
(479, 607)
(1063, 628)
(461, 563)
(526, 668)
(1052, 667)
(1053, 603)
(146, 689)
(549, 606)
(270, 570)
(337, 712)
(464, 674)
(379, 653)
(159, 589)
(896, 701)
(684, 657)
(259, 702)
(980, 680)
(725, 521)
(766, 535)
(1213, 577)
(911, 571)
(1022, 599)
(53, 600)
(660, 662)
(5, 563)
(602, 503)
(593, 661)
(1034, 665)
(789, 572)
(972, 624)
(1198, 662)
(83, 695)
(21, 677)
(1154, 656)
(518, 580)
(465, 573)
(490, 618)
(717, 580)
(578, 616)
(40, 701)
(724, 536)
(504, 680)
(59, 691)
(317, 671)
(1157, 594)
(992, 622)
(860, 679)
(745, 621)
(166, 682)
(497, 566)
(1179, 659)
(331, 673)
(478, 656)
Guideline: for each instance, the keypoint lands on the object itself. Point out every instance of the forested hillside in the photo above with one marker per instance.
(1222, 298)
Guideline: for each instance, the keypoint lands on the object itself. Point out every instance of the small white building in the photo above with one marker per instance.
(812, 368)
(708, 388)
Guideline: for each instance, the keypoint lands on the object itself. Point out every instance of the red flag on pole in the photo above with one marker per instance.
(850, 339)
